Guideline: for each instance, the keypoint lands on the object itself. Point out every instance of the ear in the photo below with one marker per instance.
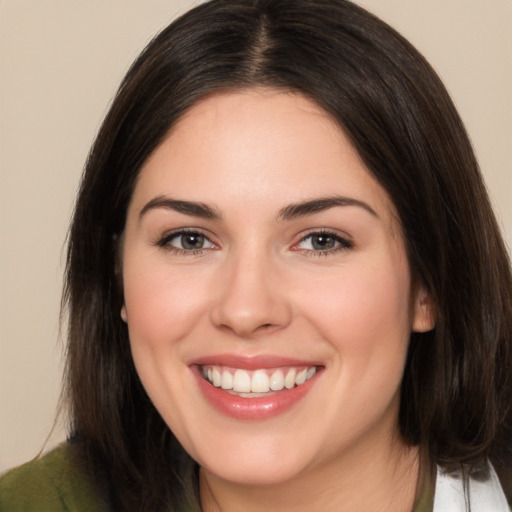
(124, 315)
(424, 315)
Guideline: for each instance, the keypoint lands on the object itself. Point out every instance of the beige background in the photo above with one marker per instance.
(60, 63)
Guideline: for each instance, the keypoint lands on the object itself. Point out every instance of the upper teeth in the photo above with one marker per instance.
(258, 381)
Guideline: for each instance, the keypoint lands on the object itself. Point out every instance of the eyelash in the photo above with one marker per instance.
(164, 242)
(341, 243)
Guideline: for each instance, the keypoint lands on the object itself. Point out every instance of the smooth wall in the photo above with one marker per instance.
(60, 64)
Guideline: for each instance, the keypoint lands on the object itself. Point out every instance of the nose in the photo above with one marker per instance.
(252, 297)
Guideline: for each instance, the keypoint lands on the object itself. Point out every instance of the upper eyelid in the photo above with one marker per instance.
(325, 231)
(346, 242)
(168, 235)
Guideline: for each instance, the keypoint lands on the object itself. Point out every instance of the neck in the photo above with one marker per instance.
(382, 481)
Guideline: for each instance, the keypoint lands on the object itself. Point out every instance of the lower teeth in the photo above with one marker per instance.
(251, 395)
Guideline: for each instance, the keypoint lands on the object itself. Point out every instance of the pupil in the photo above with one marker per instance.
(323, 242)
(192, 241)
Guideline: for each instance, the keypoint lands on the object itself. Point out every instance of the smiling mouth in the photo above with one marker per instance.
(256, 383)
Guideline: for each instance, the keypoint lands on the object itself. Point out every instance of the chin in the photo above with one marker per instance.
(262, 460)
(254, 473)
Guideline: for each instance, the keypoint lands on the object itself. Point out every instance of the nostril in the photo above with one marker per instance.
(266, 327)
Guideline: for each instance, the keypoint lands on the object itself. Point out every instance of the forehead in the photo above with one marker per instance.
(258, 145)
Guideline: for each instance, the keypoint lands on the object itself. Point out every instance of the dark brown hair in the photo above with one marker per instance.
(457, 387)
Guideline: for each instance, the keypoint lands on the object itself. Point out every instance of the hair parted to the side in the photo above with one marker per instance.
(457, 388)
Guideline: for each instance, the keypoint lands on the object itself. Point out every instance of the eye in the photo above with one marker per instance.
(323, 242)
(186, 241)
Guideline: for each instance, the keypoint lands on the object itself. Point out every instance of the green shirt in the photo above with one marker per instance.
(53, 483)
(49, 484)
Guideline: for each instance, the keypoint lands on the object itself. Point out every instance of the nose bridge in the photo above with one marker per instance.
(250, 299)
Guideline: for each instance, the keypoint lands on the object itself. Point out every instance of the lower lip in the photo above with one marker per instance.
(254, 409)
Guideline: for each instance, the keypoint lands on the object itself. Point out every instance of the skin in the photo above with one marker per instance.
(259, 286)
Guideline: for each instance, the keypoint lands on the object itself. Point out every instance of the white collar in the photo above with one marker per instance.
(485, 496)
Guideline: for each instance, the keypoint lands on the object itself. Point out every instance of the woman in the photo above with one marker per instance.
(286, 286)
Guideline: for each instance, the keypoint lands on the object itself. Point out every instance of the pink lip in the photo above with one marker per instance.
(252, 362)
(253, 409)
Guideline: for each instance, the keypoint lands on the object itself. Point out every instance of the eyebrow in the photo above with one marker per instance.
(292, 211)
(186, 207)
(304, 208)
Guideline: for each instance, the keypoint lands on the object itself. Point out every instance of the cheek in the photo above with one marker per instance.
(161, 307)
(366, 322)
(364, 312)
(161, 312)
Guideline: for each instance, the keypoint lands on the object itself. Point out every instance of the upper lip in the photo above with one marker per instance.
(255, 362)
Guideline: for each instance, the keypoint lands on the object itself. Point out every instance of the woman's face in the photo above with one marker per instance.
(267, 290)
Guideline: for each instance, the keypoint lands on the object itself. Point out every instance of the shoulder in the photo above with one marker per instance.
(52, 483)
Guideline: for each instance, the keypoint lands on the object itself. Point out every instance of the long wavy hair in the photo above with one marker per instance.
(456, 394)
